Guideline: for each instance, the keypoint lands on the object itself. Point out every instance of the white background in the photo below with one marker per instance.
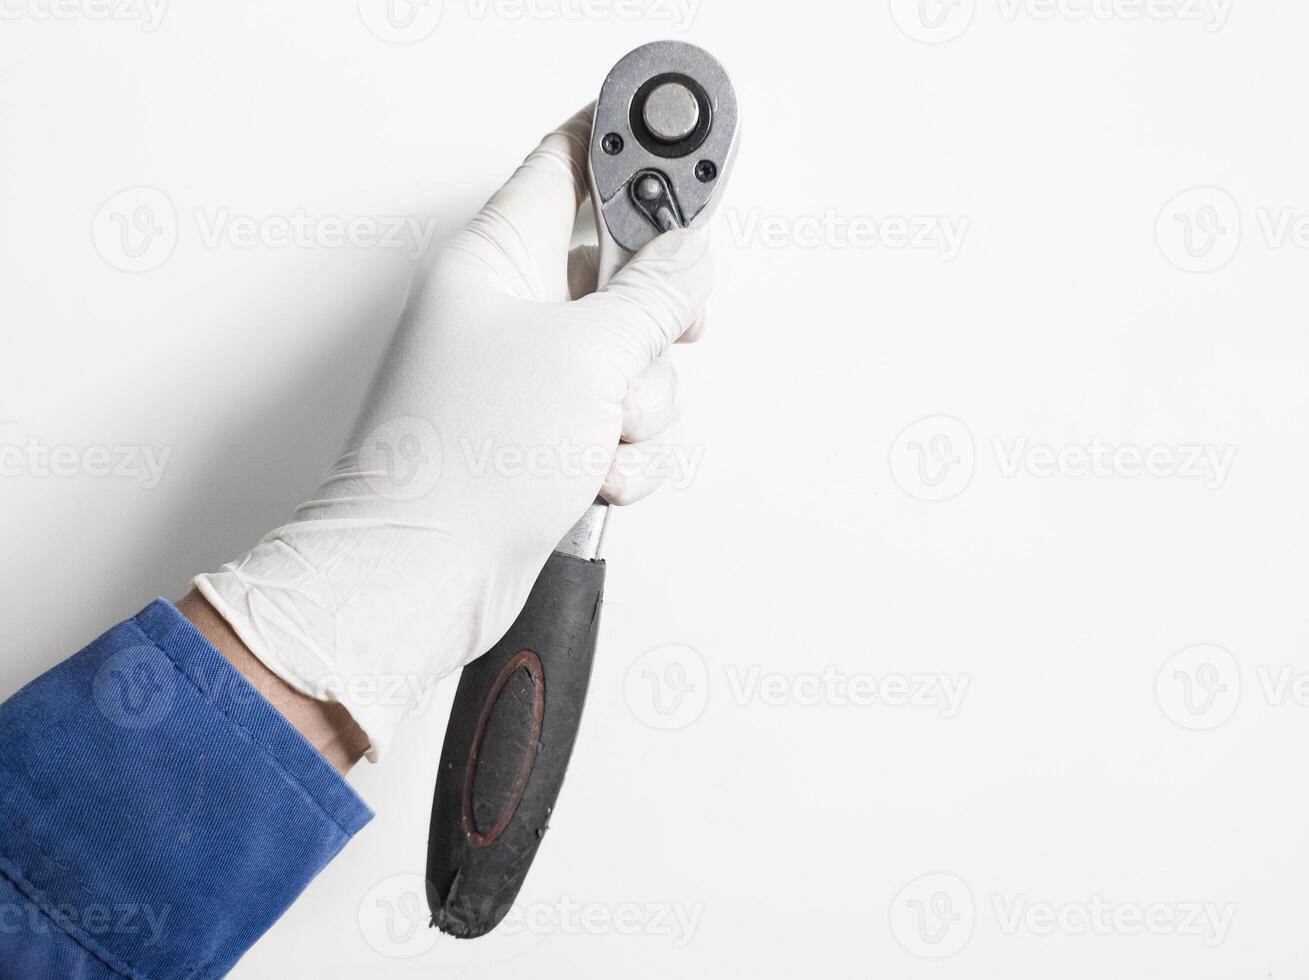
(793, 827)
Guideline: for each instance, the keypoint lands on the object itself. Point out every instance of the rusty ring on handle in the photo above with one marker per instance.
(524, 659)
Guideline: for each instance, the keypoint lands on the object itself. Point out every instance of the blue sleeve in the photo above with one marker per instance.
(157, 815)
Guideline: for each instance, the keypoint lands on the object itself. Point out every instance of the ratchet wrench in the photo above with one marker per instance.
(662, 146)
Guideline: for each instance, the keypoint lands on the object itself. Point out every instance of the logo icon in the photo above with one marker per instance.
(1200, 229)
(933, 459)
(932, 916)
(136, 229)
(932, 21)
(135, 687)
(668, 687)
(393, 917)
(1199, 688)
(401, 458)
(400, 21)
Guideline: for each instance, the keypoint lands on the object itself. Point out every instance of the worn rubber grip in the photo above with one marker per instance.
(511, 732)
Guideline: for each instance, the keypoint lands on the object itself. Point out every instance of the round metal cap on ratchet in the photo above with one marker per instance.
(671, 112)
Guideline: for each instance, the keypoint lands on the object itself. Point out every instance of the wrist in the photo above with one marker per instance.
(328, 727)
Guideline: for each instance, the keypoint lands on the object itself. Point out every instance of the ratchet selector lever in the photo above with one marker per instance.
(661, 147)
(653, 197)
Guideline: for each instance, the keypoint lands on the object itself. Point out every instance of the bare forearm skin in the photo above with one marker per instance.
(328, 727)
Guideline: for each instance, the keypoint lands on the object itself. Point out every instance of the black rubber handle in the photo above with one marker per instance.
(507, 745)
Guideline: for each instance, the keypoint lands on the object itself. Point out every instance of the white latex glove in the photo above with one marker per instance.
(494, 423)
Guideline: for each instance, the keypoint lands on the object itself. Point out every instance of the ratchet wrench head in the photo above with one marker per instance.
(663, 143)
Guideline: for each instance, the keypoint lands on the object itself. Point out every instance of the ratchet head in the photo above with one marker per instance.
(663, 143)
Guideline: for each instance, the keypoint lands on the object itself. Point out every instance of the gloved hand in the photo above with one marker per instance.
(495, 421)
